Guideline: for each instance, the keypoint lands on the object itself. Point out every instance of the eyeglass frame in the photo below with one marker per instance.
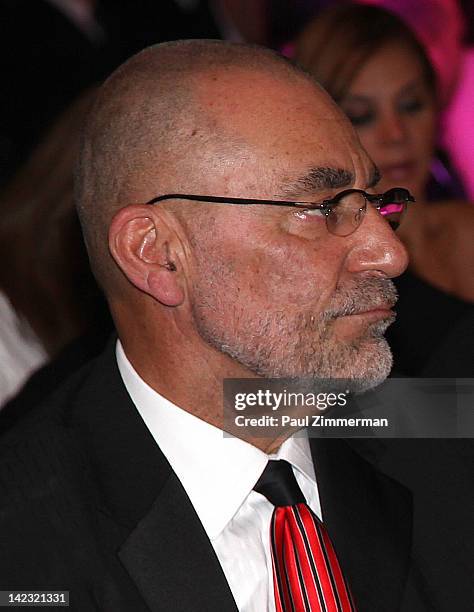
(325, 206)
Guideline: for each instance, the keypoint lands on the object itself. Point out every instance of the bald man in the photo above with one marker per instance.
(122, 488)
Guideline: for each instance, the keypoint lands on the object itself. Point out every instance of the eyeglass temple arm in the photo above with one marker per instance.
(229, 200)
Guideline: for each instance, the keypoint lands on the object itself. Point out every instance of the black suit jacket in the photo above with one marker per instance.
(89, 504)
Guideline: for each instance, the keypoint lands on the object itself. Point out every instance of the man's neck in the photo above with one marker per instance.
(200, 391)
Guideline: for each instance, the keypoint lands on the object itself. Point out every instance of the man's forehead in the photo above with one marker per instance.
(240, 91)
(286, 122)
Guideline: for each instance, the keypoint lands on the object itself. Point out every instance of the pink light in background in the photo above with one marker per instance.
(458, 125)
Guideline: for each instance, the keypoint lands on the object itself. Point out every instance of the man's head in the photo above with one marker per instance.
(220, 289)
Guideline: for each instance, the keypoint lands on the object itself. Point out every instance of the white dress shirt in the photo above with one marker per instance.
(218, 474)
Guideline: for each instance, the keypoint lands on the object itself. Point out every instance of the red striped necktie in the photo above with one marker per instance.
(306, 573)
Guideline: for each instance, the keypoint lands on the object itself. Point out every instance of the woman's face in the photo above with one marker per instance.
(393, 110)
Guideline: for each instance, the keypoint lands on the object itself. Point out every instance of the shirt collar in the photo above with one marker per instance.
(217, 470)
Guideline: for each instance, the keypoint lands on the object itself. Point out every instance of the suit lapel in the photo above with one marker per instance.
(161, 541)
(171, 560)
(369, 518)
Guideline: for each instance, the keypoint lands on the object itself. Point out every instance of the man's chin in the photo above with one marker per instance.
(374, 365)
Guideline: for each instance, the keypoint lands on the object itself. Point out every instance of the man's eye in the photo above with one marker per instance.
(309, 213)
(315, 212)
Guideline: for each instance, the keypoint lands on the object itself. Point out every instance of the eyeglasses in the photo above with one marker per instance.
(344, 212)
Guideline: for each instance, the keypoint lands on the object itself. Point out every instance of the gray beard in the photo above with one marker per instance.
(280, 345)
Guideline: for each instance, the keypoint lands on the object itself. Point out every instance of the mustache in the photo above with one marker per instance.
(360, 296)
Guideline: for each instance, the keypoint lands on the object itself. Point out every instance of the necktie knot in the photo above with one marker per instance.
(278, 484)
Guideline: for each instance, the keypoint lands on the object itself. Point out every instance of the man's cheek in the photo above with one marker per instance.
(300, 287)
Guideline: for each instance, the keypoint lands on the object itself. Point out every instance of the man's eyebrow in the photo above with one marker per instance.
(318, 179)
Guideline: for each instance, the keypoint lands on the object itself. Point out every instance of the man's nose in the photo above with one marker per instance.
(376, 247)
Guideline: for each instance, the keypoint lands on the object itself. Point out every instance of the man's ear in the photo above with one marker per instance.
(143, 245)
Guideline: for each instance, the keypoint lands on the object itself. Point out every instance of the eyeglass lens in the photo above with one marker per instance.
(346, 217)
